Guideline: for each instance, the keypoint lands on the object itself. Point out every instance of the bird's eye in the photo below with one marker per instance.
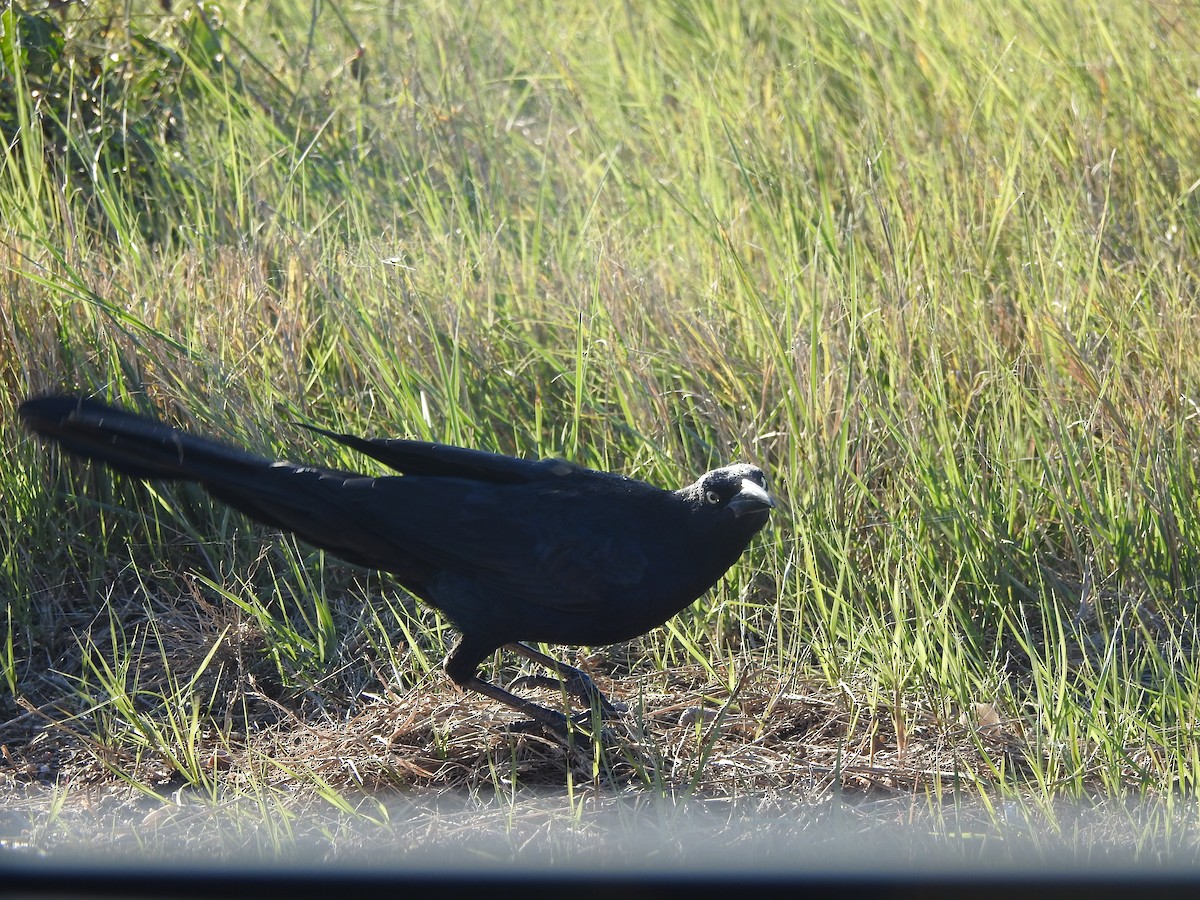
(713, 497)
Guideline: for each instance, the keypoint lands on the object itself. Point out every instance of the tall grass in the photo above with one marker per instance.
(936, 272)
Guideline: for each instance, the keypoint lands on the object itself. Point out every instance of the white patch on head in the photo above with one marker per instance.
(740, 487)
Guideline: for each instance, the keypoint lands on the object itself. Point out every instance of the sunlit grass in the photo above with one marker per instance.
(935, 273)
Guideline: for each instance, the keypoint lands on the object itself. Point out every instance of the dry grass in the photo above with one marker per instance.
(684, 737)
(428, 763)
(791, 773)
(683, 733)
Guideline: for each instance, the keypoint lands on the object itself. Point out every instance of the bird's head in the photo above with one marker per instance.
(740, 491)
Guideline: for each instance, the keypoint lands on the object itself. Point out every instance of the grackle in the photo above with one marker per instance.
(509, 550)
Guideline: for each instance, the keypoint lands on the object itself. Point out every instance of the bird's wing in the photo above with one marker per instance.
(447, 461)
(567, 545)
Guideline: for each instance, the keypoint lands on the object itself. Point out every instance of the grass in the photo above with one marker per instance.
(935, 273)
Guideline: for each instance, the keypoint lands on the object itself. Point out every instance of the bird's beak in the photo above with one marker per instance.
(751, 498)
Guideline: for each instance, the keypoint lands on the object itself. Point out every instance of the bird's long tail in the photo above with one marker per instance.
(132, 444)
(333, 510)
(340, 511)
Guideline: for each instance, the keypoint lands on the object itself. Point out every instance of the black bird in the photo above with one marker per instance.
(507, 549)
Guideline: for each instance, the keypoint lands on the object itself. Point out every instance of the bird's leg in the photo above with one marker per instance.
(573, 680)
(462, 665)
(549, 717)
